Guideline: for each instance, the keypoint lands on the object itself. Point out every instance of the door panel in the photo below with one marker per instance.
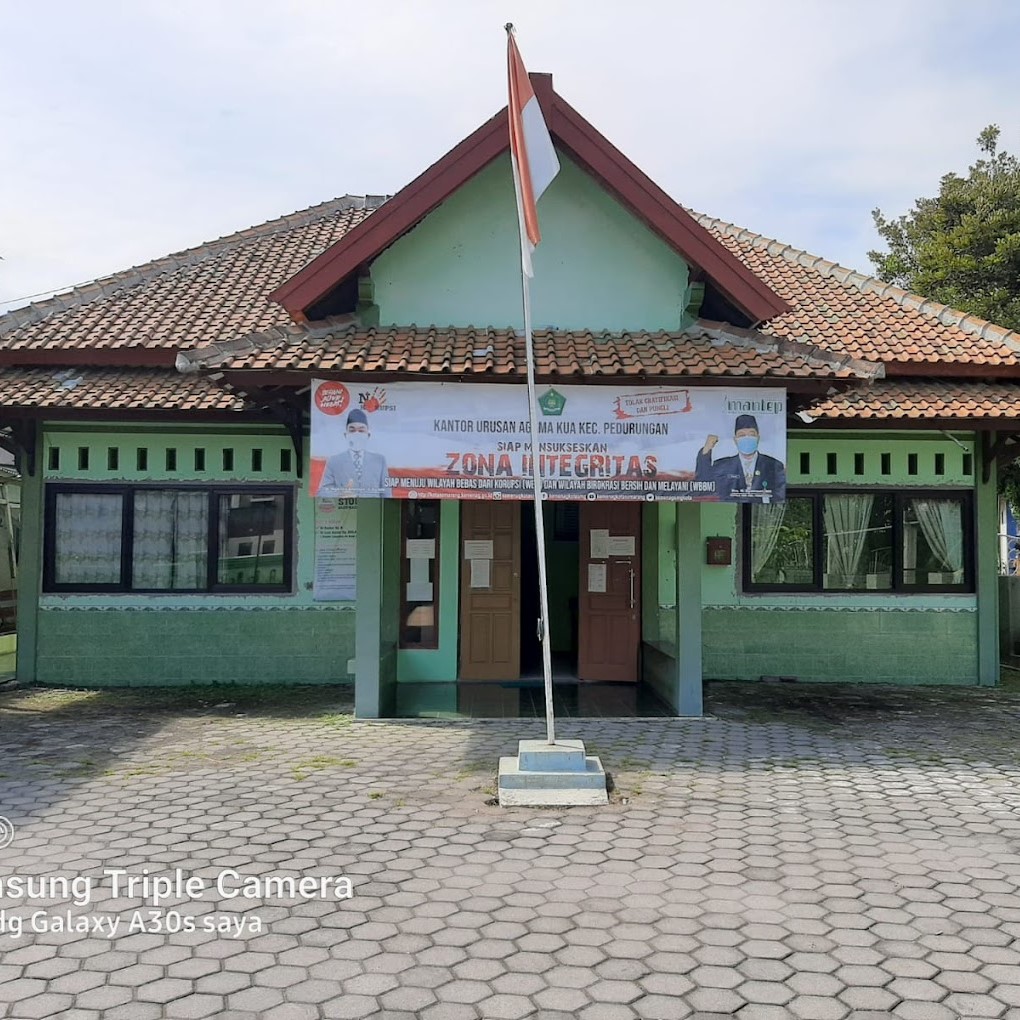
(610, 621)
(490, 638)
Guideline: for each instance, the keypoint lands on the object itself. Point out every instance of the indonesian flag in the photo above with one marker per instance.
(531, 151)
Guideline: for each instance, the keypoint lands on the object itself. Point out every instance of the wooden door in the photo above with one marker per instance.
(490, 613)
(609, 592)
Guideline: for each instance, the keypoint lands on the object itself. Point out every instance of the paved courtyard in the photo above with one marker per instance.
(805, 852)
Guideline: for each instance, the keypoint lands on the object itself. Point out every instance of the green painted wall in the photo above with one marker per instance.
(867, 645)
(596, 268)
(109, 639)
(118, 647)
(892, 638)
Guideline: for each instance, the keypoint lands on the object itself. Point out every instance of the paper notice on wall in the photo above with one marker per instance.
(596, 577)
(336, 567)
(419, 591)
(599, 544)
(477, 550)
(419, 570)
(481, 573)
(621, 545)
(421, 548)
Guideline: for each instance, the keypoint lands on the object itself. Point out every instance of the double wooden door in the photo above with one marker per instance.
(609, 590)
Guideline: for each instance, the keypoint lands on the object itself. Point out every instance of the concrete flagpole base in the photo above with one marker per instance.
(558, 775)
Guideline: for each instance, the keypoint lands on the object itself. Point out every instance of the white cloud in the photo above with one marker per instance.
(135, 130)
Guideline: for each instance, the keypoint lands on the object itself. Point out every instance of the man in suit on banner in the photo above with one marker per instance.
(750, 476)
(357, 471)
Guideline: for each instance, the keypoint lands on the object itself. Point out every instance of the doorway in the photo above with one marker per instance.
(561, 521)
(593, 559)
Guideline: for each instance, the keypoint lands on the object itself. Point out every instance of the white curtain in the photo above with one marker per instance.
(171, 531)
(766, 521)
(942, 524)
(846, 520)
(87, 538)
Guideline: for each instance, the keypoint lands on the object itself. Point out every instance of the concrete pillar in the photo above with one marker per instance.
(986, 527)
(689, 556)
(30, 559)
(368, 618)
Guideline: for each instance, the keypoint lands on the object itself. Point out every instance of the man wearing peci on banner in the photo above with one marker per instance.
(749, 476)
(357, 471)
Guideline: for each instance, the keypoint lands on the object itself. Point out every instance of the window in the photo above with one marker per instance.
(245, 519)
(419, 575)
(859, 541)
(170, 539)
(86, 536)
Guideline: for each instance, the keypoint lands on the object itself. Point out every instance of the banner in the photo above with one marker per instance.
(471, 441)
(336, 548)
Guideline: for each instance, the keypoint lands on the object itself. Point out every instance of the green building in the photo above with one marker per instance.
(161, 421)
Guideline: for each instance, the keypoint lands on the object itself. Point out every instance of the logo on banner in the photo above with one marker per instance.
(332, 398)
(552, 403)
(375, 400)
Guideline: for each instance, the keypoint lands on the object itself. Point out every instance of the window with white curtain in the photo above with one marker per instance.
(179, 539)
(170, 547)
(860, 540)
(87, 538)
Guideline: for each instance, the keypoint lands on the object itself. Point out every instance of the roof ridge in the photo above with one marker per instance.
(210, 355)
(756, 338)
(105, 286)
(947, 315)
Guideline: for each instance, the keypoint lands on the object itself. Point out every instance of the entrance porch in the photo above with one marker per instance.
(461, 637)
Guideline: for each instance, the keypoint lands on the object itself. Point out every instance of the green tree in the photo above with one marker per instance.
(962, 248)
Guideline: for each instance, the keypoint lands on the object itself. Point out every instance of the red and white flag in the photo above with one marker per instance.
(531, 151)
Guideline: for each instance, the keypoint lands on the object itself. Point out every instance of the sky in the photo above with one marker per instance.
(132, 129)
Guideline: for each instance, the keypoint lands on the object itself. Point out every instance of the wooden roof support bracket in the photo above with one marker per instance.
(1001, 451)
(18, 437)
(284, 408)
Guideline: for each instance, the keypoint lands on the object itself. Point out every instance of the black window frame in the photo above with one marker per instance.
(127, 492)
(900, 496)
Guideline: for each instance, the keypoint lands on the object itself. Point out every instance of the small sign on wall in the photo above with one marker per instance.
(336, 546)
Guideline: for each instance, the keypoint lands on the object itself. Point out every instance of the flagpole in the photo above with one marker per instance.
(536, 476)
(520, 173)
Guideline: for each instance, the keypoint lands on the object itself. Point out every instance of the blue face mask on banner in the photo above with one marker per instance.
(747, 445)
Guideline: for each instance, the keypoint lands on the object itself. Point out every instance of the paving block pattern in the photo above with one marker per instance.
(831, 857)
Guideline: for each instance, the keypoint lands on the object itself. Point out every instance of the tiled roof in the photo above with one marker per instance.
(207, 293)
(218, 292)
(859, 315)
(932, 399)
(117, 389)
(706, 349)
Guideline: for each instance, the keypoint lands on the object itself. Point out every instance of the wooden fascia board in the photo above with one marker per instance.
(88, 357)
(918, 424)
(395, 217)
(240, 379)
(662, 214)
(133, 415)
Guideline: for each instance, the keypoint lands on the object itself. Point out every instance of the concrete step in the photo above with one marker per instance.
(541, 756)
